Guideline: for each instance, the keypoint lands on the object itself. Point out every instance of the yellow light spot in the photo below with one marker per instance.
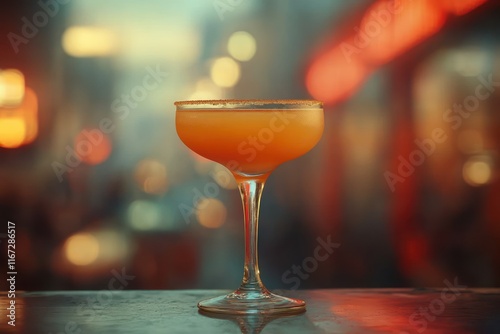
(477, 172)
(242, 46)
(225, 72)
(223, 177)
(12, 132)
(211, 213)
(81, 249)
(89, 42)
(151, 176)
(11, 88)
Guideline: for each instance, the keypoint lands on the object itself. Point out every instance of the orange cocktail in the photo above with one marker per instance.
(251, 138)
(250, 142)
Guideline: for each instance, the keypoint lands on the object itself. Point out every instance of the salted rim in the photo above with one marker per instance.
(308, 103)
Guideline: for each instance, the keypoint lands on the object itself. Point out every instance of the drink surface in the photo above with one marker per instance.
(250, 142)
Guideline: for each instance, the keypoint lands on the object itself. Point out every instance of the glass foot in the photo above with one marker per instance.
(252, 302)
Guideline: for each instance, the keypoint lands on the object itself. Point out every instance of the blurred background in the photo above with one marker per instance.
(96, 180)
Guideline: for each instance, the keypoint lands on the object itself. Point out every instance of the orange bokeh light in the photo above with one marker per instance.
(211, 213)
(405, 31)
(12, 132)
(19, 125)
(461, 7)
(92, 146)
(333, 77)
(384, 32)
(30, 107)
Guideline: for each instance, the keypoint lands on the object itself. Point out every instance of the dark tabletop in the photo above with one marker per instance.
(399, 311)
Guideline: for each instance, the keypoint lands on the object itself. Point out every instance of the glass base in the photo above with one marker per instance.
(252, 302)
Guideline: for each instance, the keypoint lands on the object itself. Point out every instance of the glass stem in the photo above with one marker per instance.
(251, 191)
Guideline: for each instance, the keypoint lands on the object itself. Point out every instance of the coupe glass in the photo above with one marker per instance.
(251, 138)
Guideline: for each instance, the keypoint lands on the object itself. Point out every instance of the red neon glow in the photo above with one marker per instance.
(461, 7)
(415, 22)
(387, 30)
(334, 76)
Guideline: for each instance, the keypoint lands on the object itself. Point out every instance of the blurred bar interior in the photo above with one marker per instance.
(405, 178)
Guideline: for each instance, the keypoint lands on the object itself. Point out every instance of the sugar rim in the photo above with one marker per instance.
(308, 103)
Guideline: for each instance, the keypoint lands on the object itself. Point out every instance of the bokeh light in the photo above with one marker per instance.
(144, 215)
(92, 146)
(211, 213)
(151, 176)
(242, 46)
(19, 124)
(225, 72)
(459, 7)
(477, 171)
(81, 249)
(89, 42)
(391, 80)
(331, 78)
(12, 87)
(12, 132)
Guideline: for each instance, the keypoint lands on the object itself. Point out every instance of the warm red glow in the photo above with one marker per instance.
(386, 311)
(416, 21)
(371, 313)
(334, 77)
(461, 7)
(414, 253)
(92, 146)
(386, 30)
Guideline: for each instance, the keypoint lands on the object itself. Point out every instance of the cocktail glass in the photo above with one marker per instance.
(251, 138)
